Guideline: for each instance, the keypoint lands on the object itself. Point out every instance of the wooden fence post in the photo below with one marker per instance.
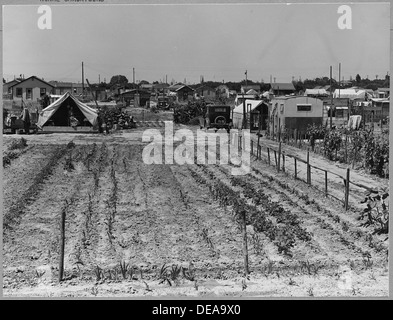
(308, 166)
(62, 244)
(326, 184)
(275, 158)
(268, 155)
(252, 147)
(347, 191)
(295, 168)
(283, 162)
(245, 249)
(279, 157)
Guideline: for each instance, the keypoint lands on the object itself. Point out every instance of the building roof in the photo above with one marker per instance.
(205, 87)
(161, 85)
(248, 87)
(295, 97)
(248, 103)
(175, 86)
(14, 80)
(315, 92)
(146, 86)
(283, 86)
(349, 93)
(251, 91)
(134, 91)
(184, 87)
(33, 77)
(58, 84)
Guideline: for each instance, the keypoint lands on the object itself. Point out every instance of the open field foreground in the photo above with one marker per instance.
(134, 229)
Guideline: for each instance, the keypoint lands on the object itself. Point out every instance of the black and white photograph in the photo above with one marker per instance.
(193, 150)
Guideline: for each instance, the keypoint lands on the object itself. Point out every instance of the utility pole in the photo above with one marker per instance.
(339, 79)
(244, 107)
(99, 79)
(83, 83)
(331, 97)
(133, 75)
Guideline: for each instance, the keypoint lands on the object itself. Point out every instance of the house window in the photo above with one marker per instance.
(281, 108)
(304, 107)
(19, 92)
(42, 91)
(29, 93)
(339, 113)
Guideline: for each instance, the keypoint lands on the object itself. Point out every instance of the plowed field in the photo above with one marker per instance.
(136, 229)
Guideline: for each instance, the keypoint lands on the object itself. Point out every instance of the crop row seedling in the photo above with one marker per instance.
(16, 210)
(282, 236)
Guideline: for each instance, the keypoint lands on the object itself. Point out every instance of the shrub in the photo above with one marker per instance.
(18, 144)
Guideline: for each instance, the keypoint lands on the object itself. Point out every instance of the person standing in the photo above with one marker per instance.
(25, 116)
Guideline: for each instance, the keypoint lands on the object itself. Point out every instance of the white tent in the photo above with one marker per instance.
(349, 93)
(58, 110)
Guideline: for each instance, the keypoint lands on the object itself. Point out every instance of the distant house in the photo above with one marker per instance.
(383, 93)
(281, 89)
(136, 97)
(32, 88)
(175, 86)
(340, 110)
(161, 87)
(7, 87)
(183, 92)
(255, 87)
(294, 112)
(206, 92)
(374, 110)
(147, 86)
(61, 88)
(222, 91)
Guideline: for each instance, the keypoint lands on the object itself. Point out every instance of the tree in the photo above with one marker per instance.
(119, 80)
(299, 86)
(358, 78)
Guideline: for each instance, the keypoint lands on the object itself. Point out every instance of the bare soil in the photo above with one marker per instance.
(131, 226)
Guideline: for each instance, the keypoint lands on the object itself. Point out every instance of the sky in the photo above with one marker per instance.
(183, 42)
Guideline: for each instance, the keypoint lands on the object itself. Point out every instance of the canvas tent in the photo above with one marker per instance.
(58, 112)
(349, 93)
